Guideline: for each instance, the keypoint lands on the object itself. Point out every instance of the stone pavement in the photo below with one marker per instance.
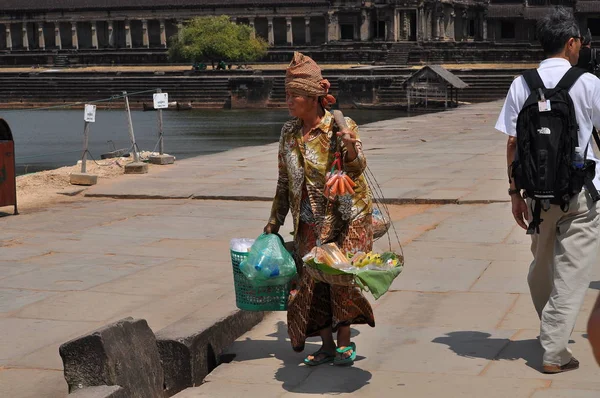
(69, 269)
(448, 157)
(458, 322)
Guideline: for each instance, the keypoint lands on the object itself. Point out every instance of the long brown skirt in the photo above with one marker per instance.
(317, 305)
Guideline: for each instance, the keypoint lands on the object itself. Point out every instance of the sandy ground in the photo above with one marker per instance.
(38, 190)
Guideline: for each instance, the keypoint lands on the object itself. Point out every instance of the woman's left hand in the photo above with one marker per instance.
(349, 139)
(348, 136)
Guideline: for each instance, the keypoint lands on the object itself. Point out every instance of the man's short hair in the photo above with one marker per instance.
(555, 29)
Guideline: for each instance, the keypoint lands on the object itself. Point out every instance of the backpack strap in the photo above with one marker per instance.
(589, 178)
(534, 225)
(570, 78)
(533, 80)
(596, 137)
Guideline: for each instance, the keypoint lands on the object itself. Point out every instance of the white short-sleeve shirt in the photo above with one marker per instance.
(585, 94)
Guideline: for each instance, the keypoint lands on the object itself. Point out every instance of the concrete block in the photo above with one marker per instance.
(100, 392)
(162, 159)
(190, 349)
(123, 353)
(136, 168)
(83, 179)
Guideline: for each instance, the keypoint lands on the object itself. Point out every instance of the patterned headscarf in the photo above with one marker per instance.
(303, 76)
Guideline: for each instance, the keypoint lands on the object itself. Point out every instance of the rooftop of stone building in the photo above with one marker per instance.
(35, 5)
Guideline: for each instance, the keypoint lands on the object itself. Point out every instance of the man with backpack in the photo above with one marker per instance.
(549, 114)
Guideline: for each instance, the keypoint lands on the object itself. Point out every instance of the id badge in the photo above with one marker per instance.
(544, 106)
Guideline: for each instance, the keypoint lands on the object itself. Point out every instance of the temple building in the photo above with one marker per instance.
(50, 25)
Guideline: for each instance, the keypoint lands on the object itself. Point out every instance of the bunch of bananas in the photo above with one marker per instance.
(387, 259)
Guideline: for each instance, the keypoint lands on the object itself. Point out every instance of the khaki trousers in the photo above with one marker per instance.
(564, 253)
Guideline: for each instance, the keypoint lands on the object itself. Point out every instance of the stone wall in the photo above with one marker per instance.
(340, 53)
(233, 89)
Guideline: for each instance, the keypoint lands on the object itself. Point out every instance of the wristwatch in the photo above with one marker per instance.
(512, 192)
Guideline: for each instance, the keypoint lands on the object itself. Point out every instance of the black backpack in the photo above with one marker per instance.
(546, 141)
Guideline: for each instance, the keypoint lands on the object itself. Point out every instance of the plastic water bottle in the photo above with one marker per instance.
(578, 159)
(267, 268)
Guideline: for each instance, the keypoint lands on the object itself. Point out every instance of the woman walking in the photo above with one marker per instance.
(308, 147)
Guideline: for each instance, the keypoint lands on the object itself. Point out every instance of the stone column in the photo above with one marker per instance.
(163, 34)
(41, 38)
(429, 26)
(24, 36)
(465, 22)
(111, 34)
(95, 35)
(365, 24)
(271, 31)
(145, 34)
(74, 35)
(57, 39)
(395, 30)
(307, 37)
(289, 30)
(128, 41)
(419, 24)
(333, 27)
(484, 30)
(449, 32)
(8, 36)
(179, 30)
(252, 28)
(400, 16)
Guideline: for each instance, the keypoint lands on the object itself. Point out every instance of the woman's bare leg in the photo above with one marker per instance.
(328, 346)
(343, 337)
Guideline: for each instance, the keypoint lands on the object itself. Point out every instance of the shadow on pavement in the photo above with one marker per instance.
(471, 344)
(295, 376)
(595, 285)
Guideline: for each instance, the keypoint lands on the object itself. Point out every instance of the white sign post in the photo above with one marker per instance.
(83, 178)
(88, 117)
(161, 100)
(90, 113)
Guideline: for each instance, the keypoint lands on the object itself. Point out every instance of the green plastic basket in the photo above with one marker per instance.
(251, 298)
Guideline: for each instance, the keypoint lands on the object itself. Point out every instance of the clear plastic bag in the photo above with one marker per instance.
(268, 262)
(241, 245)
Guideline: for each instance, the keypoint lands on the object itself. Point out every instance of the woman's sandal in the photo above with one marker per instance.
(349, 360)
(327, 358)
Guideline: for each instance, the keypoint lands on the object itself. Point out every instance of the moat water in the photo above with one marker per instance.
(47, 139)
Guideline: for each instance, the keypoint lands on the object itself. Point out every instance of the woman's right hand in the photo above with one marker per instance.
(271, 229)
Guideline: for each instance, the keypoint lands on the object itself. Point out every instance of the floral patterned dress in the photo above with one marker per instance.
(303, 166)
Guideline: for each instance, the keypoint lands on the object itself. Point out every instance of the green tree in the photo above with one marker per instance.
(214, 39)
